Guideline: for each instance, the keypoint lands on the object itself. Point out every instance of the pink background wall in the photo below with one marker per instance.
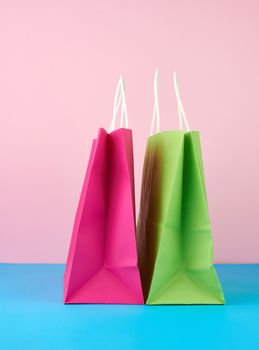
(59, 64)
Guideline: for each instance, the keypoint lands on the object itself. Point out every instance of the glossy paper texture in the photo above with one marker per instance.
(175, 243)
(102, 261)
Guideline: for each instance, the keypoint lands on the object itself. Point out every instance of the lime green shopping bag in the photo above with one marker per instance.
(175, 243)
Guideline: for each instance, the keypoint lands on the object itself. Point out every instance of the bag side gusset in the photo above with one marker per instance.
(196, 226)
(85, 256)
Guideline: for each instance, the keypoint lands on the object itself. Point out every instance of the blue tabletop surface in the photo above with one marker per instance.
(32, 316)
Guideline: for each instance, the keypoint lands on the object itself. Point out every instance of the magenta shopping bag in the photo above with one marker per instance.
(102, 260)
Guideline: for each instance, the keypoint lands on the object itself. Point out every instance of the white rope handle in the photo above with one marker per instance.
(156, 111)
(116, 105)
(181, 113)
(119, 101)
(183, 123)
(123, 106)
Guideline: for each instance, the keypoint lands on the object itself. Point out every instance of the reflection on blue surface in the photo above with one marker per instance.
(32, 316)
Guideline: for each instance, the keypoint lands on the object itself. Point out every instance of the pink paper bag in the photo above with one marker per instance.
(102, 260)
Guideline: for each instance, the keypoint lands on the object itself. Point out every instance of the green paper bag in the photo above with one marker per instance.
(175, 243)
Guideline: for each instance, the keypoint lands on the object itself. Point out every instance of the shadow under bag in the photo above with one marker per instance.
(175, 243)
(102, 261)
